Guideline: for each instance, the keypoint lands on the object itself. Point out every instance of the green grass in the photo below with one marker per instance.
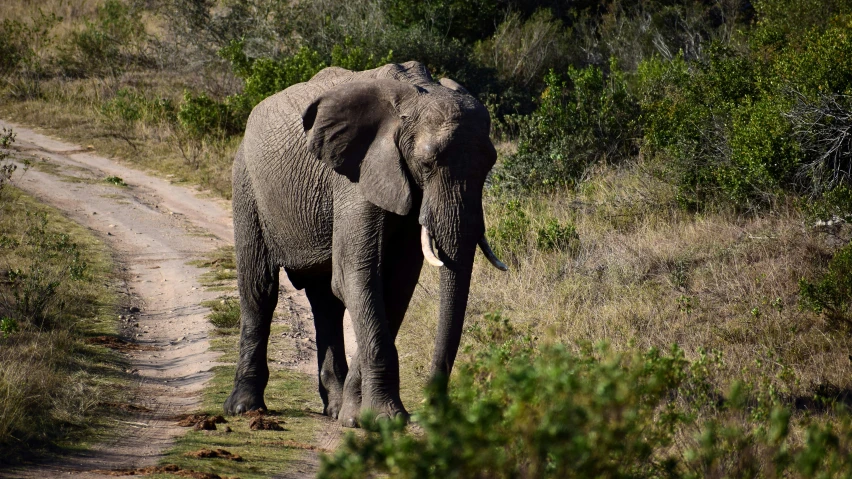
(55, 387)
(224, 313)
(292, 400)
(222, 266)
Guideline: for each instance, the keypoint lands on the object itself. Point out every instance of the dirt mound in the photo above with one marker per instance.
(130, 408)
(167, 469)
(256, 413)
(201, 422)
(214, 453)
(264, 423)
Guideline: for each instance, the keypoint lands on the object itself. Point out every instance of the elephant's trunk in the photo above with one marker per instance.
(455, 285)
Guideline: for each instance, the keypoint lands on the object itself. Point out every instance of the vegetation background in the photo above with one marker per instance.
(672, 172)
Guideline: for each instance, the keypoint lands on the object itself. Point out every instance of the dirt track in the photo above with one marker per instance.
(154, 228)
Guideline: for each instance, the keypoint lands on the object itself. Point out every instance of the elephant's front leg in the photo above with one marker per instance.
(357, 279)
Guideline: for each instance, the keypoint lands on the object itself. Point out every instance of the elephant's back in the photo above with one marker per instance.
(289, 184)
(292, 190)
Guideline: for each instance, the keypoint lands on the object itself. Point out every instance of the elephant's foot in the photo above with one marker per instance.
(244, 399)
(350, 414)
(332, 403)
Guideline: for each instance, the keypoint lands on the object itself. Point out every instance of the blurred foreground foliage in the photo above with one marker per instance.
(521, 410)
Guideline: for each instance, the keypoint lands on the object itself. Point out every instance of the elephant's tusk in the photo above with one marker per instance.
(426, 245)
(486, 250)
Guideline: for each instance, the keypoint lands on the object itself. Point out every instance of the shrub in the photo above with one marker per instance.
(224, 312)
(53, 261)
(108, 45)
(724, 133)
(584, 119)
(7, 138)
(522, 51)
(266, 76)
(200, 116)
(518, 411)
(556, 236)
(509, 235)
(832, 293)
(23, 53)
(128, 108)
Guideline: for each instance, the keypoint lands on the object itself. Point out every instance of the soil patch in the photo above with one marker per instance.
(297, 445)
(214, 453)
(131, 408)
(167, 469)
(119, 344)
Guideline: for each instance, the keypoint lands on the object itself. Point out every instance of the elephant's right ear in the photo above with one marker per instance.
(353, 128)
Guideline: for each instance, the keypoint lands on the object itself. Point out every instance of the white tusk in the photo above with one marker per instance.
(426, 245)
(486, 250)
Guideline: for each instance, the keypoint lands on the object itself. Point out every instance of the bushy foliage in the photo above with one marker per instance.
(557, 236)
(107, 45)
(509, 233)
(742, 126)
(831, 294)
(200, 116)
(7, 138)
(54, 261)
(224, 312)
(583, 119)
(521, 410)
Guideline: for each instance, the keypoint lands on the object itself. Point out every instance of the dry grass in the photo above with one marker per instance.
(648, 275)
(71, 11)
(73, 110)
(54, 384)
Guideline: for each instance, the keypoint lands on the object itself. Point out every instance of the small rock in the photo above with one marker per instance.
(227, 429)
(134, 309)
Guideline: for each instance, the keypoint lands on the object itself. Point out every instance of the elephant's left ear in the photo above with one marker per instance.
(353, 128)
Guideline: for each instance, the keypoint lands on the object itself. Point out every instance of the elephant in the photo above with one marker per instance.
(349, 181)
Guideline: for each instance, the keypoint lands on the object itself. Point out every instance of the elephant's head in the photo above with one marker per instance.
(405, 146)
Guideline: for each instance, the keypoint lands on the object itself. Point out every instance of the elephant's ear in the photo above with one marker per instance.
(353, 128)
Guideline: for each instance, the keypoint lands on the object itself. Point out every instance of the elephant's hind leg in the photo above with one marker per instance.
(331, 354)
(257, 279)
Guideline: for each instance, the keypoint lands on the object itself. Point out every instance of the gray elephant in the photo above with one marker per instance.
(345, 181)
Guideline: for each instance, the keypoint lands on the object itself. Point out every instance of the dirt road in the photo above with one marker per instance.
(155, 228)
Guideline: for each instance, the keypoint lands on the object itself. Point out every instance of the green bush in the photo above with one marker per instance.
(557, 236)
(224, 312)
(24, 60)
(520, 411)
(108, 45)
(582, 120)
(509, 235)
(832, 293)
(7, 138)
(721, 126)
(201, 116)
(34, 286)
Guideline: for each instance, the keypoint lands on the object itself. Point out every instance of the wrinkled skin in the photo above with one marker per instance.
(333, 181)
